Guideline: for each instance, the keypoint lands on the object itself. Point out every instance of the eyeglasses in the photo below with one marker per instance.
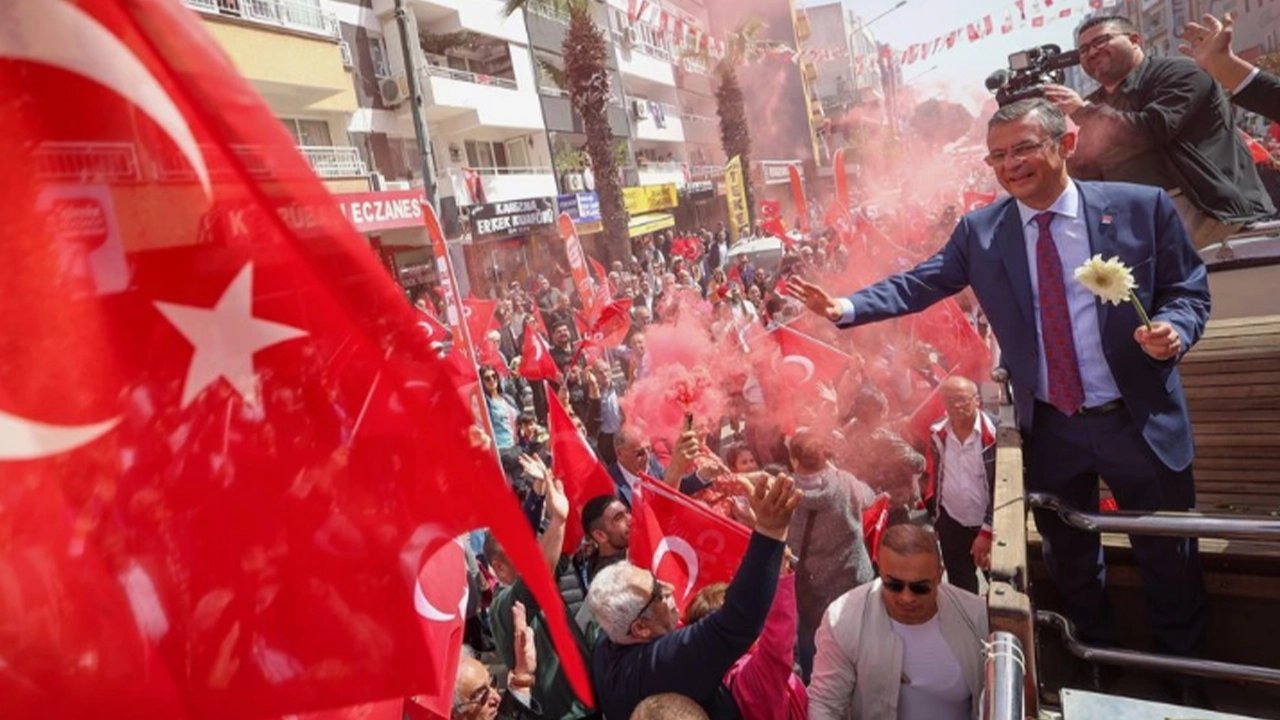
(1097, 43)
(655, 595)
(489, 377)
(480, 696)
(1021, 151)
(896, 586)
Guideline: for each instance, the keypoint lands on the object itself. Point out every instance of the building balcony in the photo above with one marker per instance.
(334, 162)
(706, 172)
(647, 62)
(285, 14)
(661, 173)
(701, 128)
(461, 100)
(480, 16)
(502, 184)
(648, 126)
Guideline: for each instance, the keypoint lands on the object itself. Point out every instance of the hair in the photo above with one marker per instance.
(734, 451)
(1121, 23)
(492, 548)
(869, 404)
(1046, 113)
(708, 600)
(593, 512)
(556, 325)
(464, 653)
(668, 706)
(628, 434)
(809, 450)
(911, 539)
(612, 603)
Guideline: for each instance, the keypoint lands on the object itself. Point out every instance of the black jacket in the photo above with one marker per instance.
(1261, 95)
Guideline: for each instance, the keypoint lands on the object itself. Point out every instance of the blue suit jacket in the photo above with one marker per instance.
(689, 484)
(987, 251)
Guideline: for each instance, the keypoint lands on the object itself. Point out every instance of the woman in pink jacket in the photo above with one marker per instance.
(762, 682)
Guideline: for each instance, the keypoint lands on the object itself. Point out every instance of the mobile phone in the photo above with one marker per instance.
(688, 421)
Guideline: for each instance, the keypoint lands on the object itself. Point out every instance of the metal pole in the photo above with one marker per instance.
(1006, 668)
(1165, 524)
(415, 106)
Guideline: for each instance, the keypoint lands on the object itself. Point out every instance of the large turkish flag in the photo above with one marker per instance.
(682, 541)
(222, 427)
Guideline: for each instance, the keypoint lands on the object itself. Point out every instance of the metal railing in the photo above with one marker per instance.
(510, 170)
(1153, 661)
(87, 162)
(662, 166)
(291, 14)
(1004, 696)
(334, 161)
(470, 77)
(706, 171)
(550, 11)
(1165, 524)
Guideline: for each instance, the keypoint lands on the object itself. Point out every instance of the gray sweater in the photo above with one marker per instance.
(835, 559)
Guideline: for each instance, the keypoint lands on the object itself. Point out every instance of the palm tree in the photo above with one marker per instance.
(735, 135)
(587, 80)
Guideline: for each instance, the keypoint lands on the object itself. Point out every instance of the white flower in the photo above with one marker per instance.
(1111, 280)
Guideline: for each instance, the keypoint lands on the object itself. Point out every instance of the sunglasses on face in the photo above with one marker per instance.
(655, 595)
(490, 377)
(896, 586)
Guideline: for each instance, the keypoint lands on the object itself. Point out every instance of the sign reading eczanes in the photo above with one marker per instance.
(512, 217)
(374, 211)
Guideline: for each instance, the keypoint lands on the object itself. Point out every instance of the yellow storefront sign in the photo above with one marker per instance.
(736, 192)
(650, 198)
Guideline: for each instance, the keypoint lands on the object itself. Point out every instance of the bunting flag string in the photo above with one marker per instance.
(1023, 14)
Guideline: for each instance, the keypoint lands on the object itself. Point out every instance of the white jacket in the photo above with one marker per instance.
(857, 673)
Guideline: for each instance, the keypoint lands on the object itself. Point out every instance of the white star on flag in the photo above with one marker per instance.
(225, 338)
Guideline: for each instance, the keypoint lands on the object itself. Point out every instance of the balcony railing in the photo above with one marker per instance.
(515, 170)
(329, 162)
(87, 162)
(548, 10)
(706, 171)
(466, 76)
(291, 14)
(662, 166)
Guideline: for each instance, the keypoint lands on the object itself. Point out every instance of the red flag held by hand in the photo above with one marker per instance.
(576, 465)
(682, 541)
(536, 362)
(807, 359)
(875, 519)
(480, 315)
(222, 427)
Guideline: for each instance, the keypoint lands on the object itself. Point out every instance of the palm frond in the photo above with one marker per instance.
(442, 43)
(510, 7)
(550, 71)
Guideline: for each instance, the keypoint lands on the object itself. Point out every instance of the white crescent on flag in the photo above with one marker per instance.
(61, 35)
(681, 548)
(805, 364)
(25, 439)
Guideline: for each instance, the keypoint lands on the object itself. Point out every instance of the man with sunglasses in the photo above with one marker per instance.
(905, 646)
(642, 650)
(1097, 393)
(1161, 121)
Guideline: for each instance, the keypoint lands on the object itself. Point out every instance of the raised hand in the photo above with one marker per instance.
(813, 297)
(526, 653)
(773, 504)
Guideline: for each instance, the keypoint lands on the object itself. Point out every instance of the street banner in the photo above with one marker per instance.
(578, 266)
(736, 189)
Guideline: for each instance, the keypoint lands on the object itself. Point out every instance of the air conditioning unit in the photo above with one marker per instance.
(394, 90)
(575, 182)
(640, 108)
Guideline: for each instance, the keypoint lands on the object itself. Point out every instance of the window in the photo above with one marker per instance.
(378, 53)
(485, 154)
(308, 132)
(517, 152)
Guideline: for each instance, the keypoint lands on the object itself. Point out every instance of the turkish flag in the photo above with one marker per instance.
(380, 710)
(977, 200)
(577, 465)
(806, 359)
(842, 177)
(436, 333)
(608, 331)
(440, 599)
(604, 288)
(536, 362)
(221, 423)
(945, 327)
(797, 196)
(682, 541)
(480, 318)
(489, 354)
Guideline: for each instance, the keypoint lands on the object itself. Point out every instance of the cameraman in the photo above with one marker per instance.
(1163, 122)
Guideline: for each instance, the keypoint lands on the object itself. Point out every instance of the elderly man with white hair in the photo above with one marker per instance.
(642, 652)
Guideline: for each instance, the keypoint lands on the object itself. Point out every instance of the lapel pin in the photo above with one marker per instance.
(1106, 219)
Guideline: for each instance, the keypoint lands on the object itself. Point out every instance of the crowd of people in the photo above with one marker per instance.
(818, 621)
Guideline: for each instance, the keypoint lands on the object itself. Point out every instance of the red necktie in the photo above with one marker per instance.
(1066, 391)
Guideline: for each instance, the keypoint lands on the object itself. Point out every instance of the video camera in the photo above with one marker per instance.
(1029, 71)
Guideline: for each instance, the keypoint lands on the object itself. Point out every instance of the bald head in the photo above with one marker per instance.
(960, 394)
(668, 706)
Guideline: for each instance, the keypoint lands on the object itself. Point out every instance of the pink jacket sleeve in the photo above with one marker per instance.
(762, 682)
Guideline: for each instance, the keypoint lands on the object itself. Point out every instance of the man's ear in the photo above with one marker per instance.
(1068, 143)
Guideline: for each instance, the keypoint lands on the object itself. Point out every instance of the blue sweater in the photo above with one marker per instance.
(692, 661)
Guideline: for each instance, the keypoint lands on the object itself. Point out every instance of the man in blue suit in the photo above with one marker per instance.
(1094, 397)
(636, 458)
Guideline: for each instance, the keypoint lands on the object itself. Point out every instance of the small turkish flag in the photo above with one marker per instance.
(609, 330)
(945, 327)
(226, 440)
(682, 541)
(536, 362)
(480, 318)
(875, 519)
(806, 359)
(977, 200)
(576, 465)
(435, 332)
(440, 599)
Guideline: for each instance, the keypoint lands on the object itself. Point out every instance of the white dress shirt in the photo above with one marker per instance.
(1071, 237)
(963, 490)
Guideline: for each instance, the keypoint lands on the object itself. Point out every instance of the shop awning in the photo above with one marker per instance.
(650, 222)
